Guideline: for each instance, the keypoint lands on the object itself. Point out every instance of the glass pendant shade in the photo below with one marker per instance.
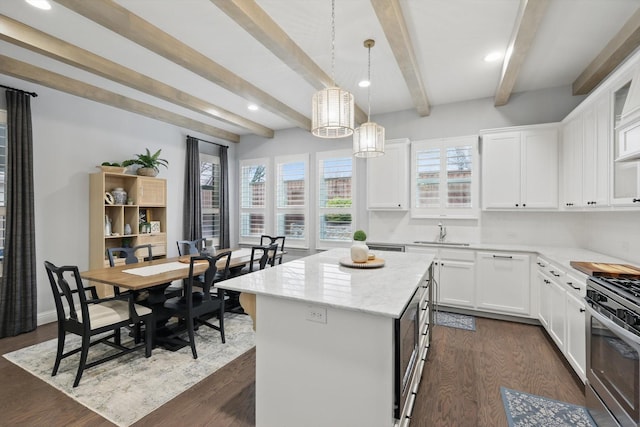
(332, 113)
(368, 140)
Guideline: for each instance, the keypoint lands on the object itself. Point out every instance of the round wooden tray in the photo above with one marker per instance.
(372, 263)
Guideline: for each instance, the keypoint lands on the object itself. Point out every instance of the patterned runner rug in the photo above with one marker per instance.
(524, 409)
(454, 320)
(129, 387)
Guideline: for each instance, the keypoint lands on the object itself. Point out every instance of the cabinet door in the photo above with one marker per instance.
(595, 151)
(544, 300)
(501, 168)
(388, 178)
(572, 162)
(152, 192)
(557, 317)
(503, 282)
(457, 283)
(575, 340)
(540, 168)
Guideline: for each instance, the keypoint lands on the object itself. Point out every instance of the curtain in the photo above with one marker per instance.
(192, 209)
(18, 287)
(224, 198)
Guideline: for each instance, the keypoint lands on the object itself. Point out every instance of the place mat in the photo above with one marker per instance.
(152, 270)
(372, 263)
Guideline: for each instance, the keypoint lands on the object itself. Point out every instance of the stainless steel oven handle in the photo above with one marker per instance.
(612, 325)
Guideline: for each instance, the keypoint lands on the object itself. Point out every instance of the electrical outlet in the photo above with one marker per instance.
(316, 314)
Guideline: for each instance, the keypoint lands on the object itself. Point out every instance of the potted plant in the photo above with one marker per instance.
(359, 249)
(149, 163)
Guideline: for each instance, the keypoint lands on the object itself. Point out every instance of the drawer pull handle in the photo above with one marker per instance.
(577, 288)
(503, 256)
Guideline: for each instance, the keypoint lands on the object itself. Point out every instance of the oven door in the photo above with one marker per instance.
(613, 367)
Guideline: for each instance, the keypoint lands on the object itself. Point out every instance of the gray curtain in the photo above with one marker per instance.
(18, 287)
(192, 210)
(224, 198)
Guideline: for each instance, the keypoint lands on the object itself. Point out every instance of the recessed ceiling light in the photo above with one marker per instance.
(253, 107)
(40, 4)
(364, 83)
(493, 56)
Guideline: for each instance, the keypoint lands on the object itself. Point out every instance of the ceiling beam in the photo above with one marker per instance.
(121, 21)
(530, 15)
(250, 16)
(22, 70)
(29, 38)
(614, 53)
(395, 29)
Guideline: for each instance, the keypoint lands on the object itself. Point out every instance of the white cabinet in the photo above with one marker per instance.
(625, 188)
(586, 158)
(520, 168)
(562, 312)
(456, 278)
(503, 282)
(388, 177)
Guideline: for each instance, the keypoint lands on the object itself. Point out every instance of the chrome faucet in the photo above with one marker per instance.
(443, 232)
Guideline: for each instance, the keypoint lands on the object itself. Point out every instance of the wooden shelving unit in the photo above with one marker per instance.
(149, 202)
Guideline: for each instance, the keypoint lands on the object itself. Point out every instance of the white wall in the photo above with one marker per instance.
(71, 136)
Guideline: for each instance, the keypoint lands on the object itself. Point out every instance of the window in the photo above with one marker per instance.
(291, 199)
(210, 196)
(444, 178)
(253, 199)
(335, 199)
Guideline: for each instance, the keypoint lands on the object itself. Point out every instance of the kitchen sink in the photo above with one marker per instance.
(436, 243)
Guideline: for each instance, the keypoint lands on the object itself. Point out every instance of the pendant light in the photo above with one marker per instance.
(332, 107)
(368, 139)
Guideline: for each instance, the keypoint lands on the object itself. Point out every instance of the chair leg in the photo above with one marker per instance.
(222, 322)
(83, 359)
(192, 341)
(61, 337)
(148, 335)
(117, 336)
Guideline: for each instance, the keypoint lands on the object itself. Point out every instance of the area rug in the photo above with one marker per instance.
(128, 388)
(455, 320)
(528, 410)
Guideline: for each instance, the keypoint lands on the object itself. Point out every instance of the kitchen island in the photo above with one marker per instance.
(325, 338)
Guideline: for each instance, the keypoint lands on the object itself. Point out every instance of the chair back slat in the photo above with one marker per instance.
(190, 247)
(130, 254)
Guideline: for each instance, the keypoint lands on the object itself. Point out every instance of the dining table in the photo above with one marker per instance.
(151, 278)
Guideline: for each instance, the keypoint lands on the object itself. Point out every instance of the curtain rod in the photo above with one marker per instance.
(20, 90)
(208, 142)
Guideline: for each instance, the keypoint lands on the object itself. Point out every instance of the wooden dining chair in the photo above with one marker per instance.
(191, 247)
(88, 316)
(265, 239)
(198, 304)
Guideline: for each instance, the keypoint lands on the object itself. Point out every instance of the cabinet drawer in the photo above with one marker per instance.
(457, 255)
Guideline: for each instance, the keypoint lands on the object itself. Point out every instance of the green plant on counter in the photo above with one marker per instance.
(360, 236)
(148, 160)
(116, 164)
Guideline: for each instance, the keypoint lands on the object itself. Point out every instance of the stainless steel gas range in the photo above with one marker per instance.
(613, 350)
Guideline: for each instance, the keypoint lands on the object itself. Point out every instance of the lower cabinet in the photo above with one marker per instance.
(562, 312)
(503, 283)
(457, 278)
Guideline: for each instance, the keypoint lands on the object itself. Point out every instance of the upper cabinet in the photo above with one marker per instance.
(585, 156)
(625, 188)
(387, 177)
(520, 167)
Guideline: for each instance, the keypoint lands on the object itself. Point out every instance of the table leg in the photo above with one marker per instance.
(248, 303)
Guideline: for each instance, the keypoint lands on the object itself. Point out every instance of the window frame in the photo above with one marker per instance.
(213, 159)
(320, 210)
(3, 211)
(443, 211)
(303, 209)
(266, 209)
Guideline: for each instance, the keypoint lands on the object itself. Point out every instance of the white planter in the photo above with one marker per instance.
(359, 252)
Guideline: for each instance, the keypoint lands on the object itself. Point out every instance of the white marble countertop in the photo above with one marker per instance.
(320, 279)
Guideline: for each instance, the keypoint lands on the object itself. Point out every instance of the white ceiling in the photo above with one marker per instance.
(450, 38)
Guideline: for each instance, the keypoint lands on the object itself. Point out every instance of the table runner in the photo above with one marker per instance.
(151, 270)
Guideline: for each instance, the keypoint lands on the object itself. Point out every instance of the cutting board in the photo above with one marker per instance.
(606, 269)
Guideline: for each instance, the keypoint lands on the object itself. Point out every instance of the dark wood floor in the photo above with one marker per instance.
(460, 385)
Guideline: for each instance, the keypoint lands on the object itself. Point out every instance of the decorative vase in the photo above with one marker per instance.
(127, 229)
(119, 196)
(147, 172)
(359, 252)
